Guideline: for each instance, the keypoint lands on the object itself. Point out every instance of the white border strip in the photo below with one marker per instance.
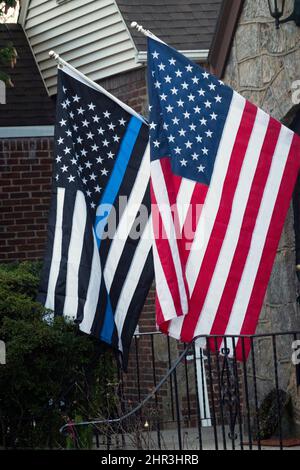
(26, 131)
(199, 55)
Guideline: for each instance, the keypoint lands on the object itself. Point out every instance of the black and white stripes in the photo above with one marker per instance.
(102, 167)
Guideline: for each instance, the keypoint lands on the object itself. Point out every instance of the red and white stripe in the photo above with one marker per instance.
(217, 285)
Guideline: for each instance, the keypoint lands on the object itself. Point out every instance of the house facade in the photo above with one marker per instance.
(94, 36)
(239, 43)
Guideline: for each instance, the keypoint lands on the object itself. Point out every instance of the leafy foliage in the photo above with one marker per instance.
(268, 413)
(53, 373)
(6, 4)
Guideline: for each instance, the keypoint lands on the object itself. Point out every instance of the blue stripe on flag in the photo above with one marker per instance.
(109, 196)
(108, 325)
(117, 175)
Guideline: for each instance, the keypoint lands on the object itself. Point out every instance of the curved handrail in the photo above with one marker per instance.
(140, 405)
(165, 378)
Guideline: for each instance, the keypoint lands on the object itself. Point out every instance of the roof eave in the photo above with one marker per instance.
(126, 27)
(224, 34)
(18, 132)
(23, 12)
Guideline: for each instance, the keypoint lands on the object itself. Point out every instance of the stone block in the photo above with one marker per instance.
(250, 73)
(232, 75)
(282, 285)
(270, 105)
(281, 88)
(255, 9)
(270, 67)
(278, 41)
(272, 40)
(291, 35)
(264, 319)
(247, 41)
(254, 97)
(292, 66)
(286, 318)
(287, 239)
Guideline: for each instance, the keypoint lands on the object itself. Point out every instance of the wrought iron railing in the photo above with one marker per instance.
(191, 397)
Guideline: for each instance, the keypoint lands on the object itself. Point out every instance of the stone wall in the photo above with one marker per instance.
(263, 65)
(264, 61)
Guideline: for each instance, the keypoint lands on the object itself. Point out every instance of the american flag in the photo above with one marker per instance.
(222, 176)
(95, 272)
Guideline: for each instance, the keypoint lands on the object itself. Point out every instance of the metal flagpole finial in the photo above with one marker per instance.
(140, 28)
(54, 56)
(144, 31)
(57, 58)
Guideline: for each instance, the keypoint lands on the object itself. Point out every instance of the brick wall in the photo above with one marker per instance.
(131, 88)
(25, 182)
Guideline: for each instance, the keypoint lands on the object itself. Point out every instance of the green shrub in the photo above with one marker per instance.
(53, 373)
(268, 413)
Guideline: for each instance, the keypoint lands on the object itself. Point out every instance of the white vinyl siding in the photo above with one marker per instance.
(90, 34)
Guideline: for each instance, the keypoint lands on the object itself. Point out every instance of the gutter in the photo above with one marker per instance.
(26, 131)
(200, 55)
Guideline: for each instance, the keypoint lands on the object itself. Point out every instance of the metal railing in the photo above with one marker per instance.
(195, 397)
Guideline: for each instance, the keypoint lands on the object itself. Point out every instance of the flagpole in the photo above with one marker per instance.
(57, 58)
(140, 29)
(62, 63)
(145, 32)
